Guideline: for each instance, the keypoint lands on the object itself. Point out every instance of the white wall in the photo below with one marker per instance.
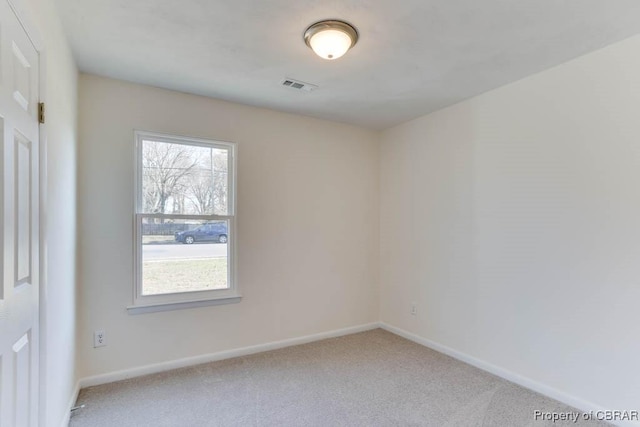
(513, 221)
(307, 226)
(59, 92)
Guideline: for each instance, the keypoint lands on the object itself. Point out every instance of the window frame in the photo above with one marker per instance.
(171, 301)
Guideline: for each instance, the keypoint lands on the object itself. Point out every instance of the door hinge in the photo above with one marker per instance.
(41, 112)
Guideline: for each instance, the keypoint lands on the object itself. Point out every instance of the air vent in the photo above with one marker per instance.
(298, 85)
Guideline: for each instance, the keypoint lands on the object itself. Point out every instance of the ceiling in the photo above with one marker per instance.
(413, 56)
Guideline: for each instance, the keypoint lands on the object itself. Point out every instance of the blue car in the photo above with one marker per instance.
(211, 232)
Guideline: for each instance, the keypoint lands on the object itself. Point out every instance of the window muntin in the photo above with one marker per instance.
(184, 219)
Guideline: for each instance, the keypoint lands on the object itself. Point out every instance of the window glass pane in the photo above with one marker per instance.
(184, 179)
(184, 255)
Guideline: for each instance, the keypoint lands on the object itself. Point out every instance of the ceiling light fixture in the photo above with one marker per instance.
(331, 39)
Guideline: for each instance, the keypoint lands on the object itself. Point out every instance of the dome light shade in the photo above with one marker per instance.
(330, 39)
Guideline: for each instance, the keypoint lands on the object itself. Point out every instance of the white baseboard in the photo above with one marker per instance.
(72, 402)
(212, 357)
(543, 389)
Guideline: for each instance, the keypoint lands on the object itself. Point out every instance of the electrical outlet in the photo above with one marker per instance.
(414, 309)
(99, 339)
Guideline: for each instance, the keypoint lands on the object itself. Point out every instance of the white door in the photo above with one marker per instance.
(19, 214)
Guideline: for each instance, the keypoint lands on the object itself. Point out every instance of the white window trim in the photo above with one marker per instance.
(179, 300)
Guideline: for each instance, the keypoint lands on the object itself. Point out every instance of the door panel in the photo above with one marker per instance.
(19, 224)
(21, 380)
(21, 77)
(22, 202)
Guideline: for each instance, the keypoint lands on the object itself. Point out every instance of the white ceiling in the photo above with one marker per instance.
(413, 57)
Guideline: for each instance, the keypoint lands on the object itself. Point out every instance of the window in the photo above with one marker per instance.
(184, 222)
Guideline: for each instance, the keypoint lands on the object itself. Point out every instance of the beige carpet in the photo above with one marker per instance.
(373, 378)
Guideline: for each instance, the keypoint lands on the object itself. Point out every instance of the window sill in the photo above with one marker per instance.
(179, 305)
